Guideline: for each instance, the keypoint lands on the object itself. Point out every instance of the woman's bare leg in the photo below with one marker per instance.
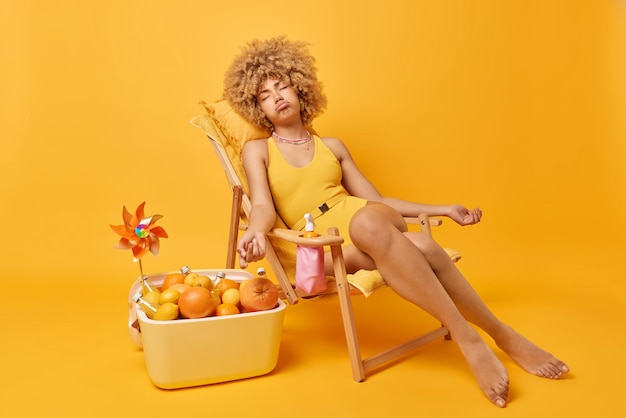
(378, 231)
(526, 354)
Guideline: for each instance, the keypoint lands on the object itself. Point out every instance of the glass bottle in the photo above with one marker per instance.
(146, 306)
(218, 278)
(215, 289)
(145, 285)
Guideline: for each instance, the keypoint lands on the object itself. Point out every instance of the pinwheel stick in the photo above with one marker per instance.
(144, 282)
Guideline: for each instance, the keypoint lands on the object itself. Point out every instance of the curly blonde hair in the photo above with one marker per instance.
(280, 59)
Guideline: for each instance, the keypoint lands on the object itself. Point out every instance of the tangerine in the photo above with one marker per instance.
(226, 309)
(196, 302)
(172, 278)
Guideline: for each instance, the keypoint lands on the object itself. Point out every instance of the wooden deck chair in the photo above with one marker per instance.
(228, 132)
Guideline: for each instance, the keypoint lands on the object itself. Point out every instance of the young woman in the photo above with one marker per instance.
(273, 84)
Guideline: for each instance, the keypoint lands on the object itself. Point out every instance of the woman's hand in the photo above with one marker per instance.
(464, 216)
(251, 247)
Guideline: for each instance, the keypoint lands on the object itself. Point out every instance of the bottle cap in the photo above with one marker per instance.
(310, 223)
(220, 274)
(260, 271)
(185, 270)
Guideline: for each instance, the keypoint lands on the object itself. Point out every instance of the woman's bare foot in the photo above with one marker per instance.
(490, 373)
(530, 357)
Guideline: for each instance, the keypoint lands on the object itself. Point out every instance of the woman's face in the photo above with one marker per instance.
(279, 101)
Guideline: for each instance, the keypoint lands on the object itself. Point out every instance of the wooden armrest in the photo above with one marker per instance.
(297, 238)
(416, 221)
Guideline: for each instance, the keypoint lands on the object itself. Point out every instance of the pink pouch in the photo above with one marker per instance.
(310, 276)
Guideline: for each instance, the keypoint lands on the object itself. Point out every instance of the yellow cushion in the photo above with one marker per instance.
(237, 129)
(225, 126)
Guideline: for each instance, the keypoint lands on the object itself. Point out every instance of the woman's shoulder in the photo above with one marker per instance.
(254, 148)
(330, 139)
(333, 142)
(254, 143)
(336, 145)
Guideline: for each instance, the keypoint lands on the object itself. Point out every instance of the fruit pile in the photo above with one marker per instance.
(191, 295)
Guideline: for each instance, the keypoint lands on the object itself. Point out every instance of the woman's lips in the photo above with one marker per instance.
(282, 106)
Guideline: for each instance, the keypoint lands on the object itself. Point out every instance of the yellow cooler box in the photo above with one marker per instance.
(192, 352)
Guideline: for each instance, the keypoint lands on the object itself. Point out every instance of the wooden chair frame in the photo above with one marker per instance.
(241, 205)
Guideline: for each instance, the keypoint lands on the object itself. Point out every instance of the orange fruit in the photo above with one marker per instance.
(172, 278)
(226, 309)
(196, 302)
(181, 287)
(259, 294)
(225, 284)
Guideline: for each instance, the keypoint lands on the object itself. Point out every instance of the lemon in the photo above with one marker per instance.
(231, 296)
(203, 281)
(190, 278)
(169, 295)
(166, 312)
(152, 297)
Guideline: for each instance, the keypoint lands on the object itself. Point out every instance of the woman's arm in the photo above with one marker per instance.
(251, 246)
(358, 185)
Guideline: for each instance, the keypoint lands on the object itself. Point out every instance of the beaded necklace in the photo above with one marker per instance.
(297, 141)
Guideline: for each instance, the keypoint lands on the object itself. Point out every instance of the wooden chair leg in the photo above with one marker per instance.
(233, 232)
(347, 313)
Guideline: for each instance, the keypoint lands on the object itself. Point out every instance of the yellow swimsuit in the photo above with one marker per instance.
(297, 191)
(315, 188)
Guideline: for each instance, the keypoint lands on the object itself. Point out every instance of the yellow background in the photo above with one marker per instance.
(516, 107)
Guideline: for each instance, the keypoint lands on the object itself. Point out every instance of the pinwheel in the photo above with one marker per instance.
(139, 234)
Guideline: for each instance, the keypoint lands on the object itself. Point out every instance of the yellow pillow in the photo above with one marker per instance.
(238, 130)
(224, 125)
